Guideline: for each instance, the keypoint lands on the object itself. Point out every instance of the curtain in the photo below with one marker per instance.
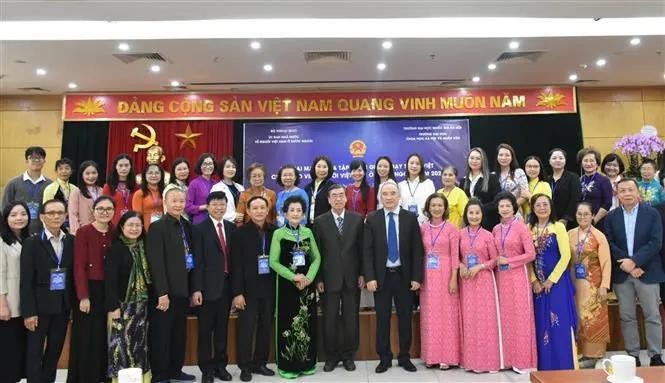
(214, 136)
(85, 140)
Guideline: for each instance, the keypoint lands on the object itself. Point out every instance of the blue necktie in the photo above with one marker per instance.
(393, 252)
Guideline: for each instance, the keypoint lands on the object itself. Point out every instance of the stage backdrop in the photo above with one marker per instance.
(439, 142)
(187, 139)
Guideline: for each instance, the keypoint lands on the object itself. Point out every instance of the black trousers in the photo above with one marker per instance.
(41, 363)
(168, 332)
(340, 332)
(258, 313)
(394, 286)
(213, 331)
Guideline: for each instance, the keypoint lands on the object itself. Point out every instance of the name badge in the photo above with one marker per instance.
(189, 261)
(264, 265)
(580, 271)
(471, 260)
(155, 217)
(58, 279)
(413, 208)
(432, 261)
(34, 210)
(298, 257)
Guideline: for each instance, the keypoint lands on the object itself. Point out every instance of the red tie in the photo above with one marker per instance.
(222, 242)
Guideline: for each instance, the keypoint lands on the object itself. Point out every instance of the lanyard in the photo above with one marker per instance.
(56, 259)
(184, 238)
(354, 197)
(586, 183)
(263, 242)
(538, 232)
(155, 201)
(295, 233)
(502, 237)
(33, 190)
(580, 245)
(503, 181)
(431, 229)
(408, 184)
(472, 238)
(553, 184)
(124, 191)
(94, 192)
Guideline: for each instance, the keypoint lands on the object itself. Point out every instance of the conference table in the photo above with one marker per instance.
(649, 374)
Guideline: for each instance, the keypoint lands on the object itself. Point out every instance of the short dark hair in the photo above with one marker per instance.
(649, 161)
(216, 195)
(472, 202)
(613, 157)
(421, 175)
(199, 163)
(428, 201)
(38, 150)
(565, 155)
(312, 170)
(257, 197)
(533, 219)
(103, 198)
(42, 208)
(7, 234)
(335, 187)
(295, 171)
(588, 150)
(124, 218)
(541, 173)
(176, 162)
(294, 199)
(64, 161)
(628, 179)
(505, 195)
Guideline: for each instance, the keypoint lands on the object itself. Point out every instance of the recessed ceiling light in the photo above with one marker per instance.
(41, 72)
(123, 46)
(601, 62)
(175, 83)
(572, 77)
(255, 45)
(267, 67)
(475, 79)
(514, 45)
(155, 68)
(72, 85)
(635, 41)
(387, 44)
(381, 66)
(491, 66)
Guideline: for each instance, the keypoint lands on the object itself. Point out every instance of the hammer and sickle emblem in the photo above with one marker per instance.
(148, 141)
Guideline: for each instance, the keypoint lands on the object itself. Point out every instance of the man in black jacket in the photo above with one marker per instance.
(170, 258)
(211, 286)
(253, 284)
(46, 292)
(339, 237)
(393, 264)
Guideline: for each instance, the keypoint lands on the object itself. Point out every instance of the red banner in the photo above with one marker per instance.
(196, 106)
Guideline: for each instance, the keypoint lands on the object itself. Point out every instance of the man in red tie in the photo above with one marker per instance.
(211, 287)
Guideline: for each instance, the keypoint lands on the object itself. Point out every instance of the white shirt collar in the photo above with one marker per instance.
(335, 215)
(396, 210)
(26, 177)
(50, 235)
(215, 222)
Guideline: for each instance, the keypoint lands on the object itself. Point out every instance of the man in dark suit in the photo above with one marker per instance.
(635, 234)
(253, 285)
(211, 286)
(170, 258)
(338, 234)
(393, 264)
(46, 292)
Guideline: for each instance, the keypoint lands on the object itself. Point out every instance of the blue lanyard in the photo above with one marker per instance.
(472, 238)
(56, 259)
(433, 240)
(184, 238)
(503, 238)
(263, 242)
(354, 197)
(580, 245)
(295, 233)
(553, 185)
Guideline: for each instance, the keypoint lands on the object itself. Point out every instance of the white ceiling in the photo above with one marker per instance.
(410, 63)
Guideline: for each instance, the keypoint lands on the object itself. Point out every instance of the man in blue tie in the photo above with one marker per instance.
(393, 265)
(635, 234)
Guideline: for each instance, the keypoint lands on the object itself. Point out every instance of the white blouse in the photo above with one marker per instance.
(230, 214)
(416, 193)
(10, 273)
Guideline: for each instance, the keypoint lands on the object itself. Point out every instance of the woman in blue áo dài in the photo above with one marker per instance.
(295, 258)
(554, 293)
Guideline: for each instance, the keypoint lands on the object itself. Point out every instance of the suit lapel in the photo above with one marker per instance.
(382, 227)
(49, 249)
(402, 229)
(215, 233)
(638, 223)
(623, 237)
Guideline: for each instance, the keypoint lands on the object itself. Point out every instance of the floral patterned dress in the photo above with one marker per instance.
(295, 315)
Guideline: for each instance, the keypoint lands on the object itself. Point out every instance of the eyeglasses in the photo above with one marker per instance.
(53, 214)
(583, 214)
(208, 164)
(36, 158)
(153, 174)
(107, 210)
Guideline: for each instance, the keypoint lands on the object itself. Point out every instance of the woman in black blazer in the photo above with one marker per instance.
(481, 184)
(317, 190)
(566, 188)
(126, 284)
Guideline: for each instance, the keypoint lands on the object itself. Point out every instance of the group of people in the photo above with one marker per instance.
(510, 268)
